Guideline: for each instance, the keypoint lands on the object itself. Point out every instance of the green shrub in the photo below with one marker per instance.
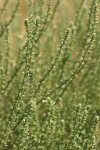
(49, 77)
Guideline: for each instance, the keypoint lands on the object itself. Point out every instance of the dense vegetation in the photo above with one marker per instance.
(50, 76)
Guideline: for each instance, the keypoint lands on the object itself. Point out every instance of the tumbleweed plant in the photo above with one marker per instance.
(49, 75)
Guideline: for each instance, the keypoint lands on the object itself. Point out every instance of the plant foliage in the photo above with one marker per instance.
(49, 76)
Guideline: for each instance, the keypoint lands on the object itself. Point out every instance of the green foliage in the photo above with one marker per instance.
(49, 80)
